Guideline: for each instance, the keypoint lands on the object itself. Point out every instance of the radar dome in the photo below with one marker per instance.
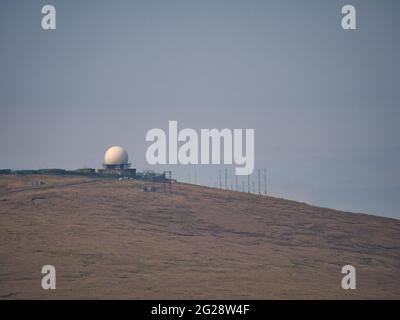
(116, 156)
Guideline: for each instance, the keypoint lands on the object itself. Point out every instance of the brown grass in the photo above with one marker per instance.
(109, 239)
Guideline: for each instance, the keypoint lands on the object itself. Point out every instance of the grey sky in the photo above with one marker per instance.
(324, 102)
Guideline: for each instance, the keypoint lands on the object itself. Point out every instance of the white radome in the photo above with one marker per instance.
(116, 156)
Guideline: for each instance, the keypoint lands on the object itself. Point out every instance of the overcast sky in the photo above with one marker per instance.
(324, 102)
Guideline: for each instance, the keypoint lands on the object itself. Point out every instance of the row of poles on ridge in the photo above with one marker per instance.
(239, 183)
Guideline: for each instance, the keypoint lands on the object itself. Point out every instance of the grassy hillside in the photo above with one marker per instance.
(109, 239)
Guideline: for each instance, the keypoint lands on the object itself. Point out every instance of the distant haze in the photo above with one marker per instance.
(324, 102)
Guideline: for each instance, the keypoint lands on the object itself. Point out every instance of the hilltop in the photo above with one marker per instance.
(110, 239)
